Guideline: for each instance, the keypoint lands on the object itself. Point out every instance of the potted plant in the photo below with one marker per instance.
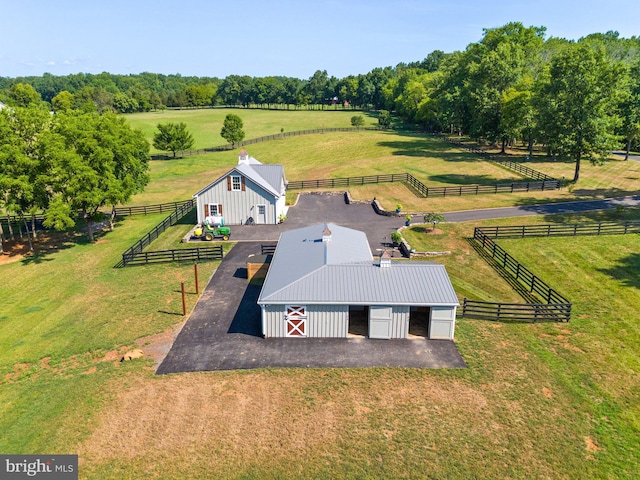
(408, 220)
(396, 238)
(282, 218)
(398, 208)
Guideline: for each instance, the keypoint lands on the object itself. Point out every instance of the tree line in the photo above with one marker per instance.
(577, 99)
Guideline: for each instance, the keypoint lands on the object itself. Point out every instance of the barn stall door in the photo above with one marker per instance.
(296, 321)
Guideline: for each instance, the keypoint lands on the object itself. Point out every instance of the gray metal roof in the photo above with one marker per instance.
(267, 177)
(342, 271)
(273, 174)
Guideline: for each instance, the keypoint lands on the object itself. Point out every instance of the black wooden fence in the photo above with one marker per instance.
(421, 189)
(562, 230)
(516, 312)
(166, 256)
(157, 208)
(146, 240)
(266, 138)
(267, 249)
(521, 273)
(518, 167)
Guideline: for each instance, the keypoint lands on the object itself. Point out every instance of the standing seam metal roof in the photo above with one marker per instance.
(307, 270)
(267, 177)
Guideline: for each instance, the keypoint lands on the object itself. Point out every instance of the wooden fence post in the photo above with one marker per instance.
(195, 272)
(184, 304)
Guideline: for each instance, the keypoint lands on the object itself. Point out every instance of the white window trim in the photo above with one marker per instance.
(233, 183)
(212, 207)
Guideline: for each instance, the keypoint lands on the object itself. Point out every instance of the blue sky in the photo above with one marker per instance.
(271, 37)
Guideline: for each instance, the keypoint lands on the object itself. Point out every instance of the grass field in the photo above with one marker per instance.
(371, 152)
(536, 401)
(205, 124)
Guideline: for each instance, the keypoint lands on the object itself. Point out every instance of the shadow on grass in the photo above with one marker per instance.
(626, 271)
(177, 314)
(583, 195)
(469, 180)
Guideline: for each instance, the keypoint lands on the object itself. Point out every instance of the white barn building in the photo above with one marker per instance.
(324, 282)
(251, 190)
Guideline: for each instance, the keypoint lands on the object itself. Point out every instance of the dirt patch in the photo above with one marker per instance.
(157, 346)
(546, 392)
(590, 445)
(47, 242)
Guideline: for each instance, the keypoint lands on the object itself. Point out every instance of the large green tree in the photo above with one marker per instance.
(25, 168)
(99, 161)
(173, 137)
(232, 130)
(577, 104)
(630, 108)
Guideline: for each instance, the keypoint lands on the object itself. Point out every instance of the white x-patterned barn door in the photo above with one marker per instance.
(296, 321)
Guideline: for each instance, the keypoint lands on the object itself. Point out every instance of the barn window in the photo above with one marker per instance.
(236, 183)
(213, 209)
(296, 321)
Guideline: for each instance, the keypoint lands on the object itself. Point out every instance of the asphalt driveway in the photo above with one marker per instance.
(322, 208)
(224, 333)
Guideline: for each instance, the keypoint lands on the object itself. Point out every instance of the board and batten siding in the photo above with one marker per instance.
(328, 321)
(442, 323)
(238, 205)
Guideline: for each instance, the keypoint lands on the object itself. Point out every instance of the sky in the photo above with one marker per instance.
(271, 37)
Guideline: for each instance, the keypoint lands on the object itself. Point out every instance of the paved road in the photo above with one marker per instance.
(622, 155)
(224, 333)
(543, 209)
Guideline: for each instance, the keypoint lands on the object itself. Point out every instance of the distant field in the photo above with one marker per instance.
(433, 162)
(205, 124)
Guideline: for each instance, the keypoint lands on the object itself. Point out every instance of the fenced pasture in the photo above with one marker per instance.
(566, 391)
(205, 124)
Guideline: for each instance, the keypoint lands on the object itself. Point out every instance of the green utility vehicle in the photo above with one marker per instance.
(212, 227)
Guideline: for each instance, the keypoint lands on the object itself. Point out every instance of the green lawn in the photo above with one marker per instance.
(536, 401)
(205, 124)
(348, 154)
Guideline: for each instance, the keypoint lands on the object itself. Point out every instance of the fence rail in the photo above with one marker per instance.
(518, 167)
(521, 273)
(517, 312)
(421, 189)
(149, 209)
(179, 255)
(146, 240)
(267, 249)
(562, 230)
(266, 138)
(347, 181)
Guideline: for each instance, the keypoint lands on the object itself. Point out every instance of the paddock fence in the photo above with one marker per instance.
(562, 230)
(137, 248)
(178, 255)
(515, 166)
(422, 190)
(516, 312)
(266, 138)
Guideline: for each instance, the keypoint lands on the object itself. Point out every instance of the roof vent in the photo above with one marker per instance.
(243, 157)
(326, 235)
(385, 260)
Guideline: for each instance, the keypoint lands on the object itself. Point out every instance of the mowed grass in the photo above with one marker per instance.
(536, 401)
(205, 124)
(529, 404)
(347, 154)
